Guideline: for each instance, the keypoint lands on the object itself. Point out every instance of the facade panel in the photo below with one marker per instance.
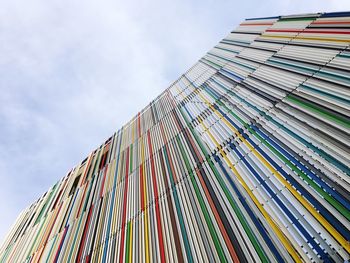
(244, 158)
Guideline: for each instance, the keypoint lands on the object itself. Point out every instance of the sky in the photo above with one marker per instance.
(72, 72)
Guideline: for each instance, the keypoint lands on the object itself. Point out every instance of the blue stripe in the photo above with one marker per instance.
(254, 218)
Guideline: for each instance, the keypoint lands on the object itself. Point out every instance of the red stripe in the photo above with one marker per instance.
(218, 219)
(103, 180)
(121, 255)
(331, 22)
(104, 157)
(59, 194)
(48, 231)
(82, 200)
(194, 146)
(326, 31)
(189, 135)
(60, 246)
(155, 188)
(308, 31)
(284, 30)
(213, 208)
(82, 242)
(86, 169)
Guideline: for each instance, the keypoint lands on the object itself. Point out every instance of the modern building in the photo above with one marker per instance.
(245, 158)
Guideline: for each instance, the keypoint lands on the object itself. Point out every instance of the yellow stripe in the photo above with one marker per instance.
(308, 38)
(145, 198)
(130, 244)
(115, 210)
(273, 225)
(310, 208)
(180, 92)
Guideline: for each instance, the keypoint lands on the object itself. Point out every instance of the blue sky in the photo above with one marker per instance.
(72, 72)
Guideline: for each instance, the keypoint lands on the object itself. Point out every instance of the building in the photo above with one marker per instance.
(244, 158)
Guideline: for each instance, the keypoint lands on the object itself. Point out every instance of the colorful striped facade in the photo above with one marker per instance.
(244, 158)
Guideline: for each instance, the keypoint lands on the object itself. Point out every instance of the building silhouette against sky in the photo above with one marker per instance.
(244, 158)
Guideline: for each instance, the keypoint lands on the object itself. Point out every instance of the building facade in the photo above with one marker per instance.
(244, 158)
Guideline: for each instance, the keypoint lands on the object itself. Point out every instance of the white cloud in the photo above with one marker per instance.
(72, 72)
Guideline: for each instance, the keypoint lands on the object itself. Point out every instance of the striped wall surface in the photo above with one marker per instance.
(244, 158)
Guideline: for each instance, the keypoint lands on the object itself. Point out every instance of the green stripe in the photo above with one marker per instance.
(318, 110)
(226, 49)
(53, 244)
(233, 204)
(204, 210)
(320, 190)
(127, 253)
(297, 68)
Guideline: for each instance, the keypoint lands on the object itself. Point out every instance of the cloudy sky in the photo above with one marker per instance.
(72, 72)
